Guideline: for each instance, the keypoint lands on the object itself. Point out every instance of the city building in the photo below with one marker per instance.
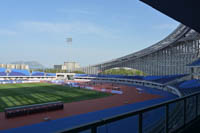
(15, 66)
(68, 66)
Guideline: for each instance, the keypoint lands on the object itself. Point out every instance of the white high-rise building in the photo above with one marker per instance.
(69, 66)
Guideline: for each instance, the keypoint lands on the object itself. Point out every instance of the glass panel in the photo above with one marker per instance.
(190, 108)
(128, 125)
(176, 116)
(154, 121)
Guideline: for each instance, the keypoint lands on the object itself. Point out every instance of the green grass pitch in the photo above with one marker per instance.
(12, 95)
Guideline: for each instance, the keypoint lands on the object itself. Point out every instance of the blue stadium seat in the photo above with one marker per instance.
(80, 75)
(17, 72)
(188, 87)
(3, 72)
(158, 79)
(37, 73)
(163, 79)
(50, 74)
(195, 63)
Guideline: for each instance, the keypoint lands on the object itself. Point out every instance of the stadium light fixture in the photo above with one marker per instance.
(69, 40)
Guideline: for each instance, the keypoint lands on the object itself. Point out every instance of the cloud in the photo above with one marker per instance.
(75, 11)
(66, 28)
(7, 32)
(165, 26)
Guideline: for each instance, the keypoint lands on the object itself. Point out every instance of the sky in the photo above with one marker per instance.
(101, 30)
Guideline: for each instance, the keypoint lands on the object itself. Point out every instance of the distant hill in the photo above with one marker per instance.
(32, 64)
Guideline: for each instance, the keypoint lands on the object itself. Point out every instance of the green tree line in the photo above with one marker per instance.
(122, 71)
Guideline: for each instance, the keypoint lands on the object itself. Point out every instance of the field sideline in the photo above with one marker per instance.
(12, 95)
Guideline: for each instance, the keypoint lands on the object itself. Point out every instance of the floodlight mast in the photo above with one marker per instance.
(69, 40)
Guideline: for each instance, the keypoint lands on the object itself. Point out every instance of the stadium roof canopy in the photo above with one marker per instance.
(184, 11)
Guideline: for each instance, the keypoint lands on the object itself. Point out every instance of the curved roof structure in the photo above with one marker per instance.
(184, 11)
(182, 33)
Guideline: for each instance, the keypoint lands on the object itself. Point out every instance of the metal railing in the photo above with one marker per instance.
(186, 107)
(160, 86)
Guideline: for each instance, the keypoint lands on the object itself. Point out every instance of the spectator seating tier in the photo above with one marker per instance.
(17, 72)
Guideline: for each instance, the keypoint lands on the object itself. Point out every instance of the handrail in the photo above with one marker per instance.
(93, 125)
(144, 82)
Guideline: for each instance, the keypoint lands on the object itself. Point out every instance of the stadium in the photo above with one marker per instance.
(167, 99)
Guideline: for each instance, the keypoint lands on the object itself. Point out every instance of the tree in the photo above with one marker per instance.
(123, 71)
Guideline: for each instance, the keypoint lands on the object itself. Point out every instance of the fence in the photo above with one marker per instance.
(177, 113)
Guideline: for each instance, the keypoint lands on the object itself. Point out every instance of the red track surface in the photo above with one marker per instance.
(130, 95)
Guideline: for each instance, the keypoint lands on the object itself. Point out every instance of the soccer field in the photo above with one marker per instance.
(12, 95)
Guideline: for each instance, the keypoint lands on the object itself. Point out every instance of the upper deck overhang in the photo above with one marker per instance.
(184, 11)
